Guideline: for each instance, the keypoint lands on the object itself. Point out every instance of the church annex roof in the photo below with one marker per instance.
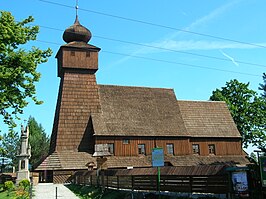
(207, 119)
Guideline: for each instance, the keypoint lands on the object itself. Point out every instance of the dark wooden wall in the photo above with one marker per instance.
(80, 59)
(182, 146)
(226, 146)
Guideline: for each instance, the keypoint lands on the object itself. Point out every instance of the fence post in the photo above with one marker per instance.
(102, 179)
(106, 181)
(31, 184)
(191, 184)
(132, 187)
(132, 183)
(117, 182)
(55, 192)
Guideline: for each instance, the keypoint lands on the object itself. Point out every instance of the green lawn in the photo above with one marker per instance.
(4, 195)
(91, 192)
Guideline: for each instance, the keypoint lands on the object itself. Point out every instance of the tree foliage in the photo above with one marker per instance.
(263, 85)
(9, 145)
(18, 66)
(248, 110)
(39, 142)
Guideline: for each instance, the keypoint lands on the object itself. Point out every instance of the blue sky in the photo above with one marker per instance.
(192, 64)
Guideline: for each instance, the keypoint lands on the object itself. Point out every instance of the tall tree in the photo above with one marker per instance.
(18, 66)
(39, 142)
(9, 145)
(263, 85)
(248, 110)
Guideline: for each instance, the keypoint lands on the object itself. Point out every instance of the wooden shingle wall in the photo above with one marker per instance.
(78, 98)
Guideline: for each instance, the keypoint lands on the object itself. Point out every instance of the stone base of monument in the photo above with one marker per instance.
(22, 175)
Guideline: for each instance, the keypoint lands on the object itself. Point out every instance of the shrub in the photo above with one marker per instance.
(21, 193)
(9, 185)
(25, 184)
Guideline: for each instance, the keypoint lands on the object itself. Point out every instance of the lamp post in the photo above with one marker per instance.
(260, 169)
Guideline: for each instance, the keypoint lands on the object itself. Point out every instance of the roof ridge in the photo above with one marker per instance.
(202, 101)
(144, 87)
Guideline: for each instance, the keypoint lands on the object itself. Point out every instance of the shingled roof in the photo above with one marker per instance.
(66, 160)
(79, 160)
(138, 111)
(207, 119)
(142, 111)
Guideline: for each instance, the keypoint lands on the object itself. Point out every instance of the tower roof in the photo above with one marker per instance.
(76, 32)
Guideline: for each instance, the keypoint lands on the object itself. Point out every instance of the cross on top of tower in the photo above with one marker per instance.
(77, 7)
(76, 32)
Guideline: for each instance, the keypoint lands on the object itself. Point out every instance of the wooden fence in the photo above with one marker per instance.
(218, 184)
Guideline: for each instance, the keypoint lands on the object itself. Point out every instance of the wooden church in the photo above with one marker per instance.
(130, 120)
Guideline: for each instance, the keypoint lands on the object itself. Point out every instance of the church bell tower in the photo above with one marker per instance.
(78, 95)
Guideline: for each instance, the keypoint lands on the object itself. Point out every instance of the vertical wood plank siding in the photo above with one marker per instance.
(182, 146)
(222, 146)
(80, 59)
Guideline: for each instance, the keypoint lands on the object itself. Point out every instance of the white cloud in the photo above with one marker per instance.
(187, 45)
(230, 58)
(170, 43)
(205, 19)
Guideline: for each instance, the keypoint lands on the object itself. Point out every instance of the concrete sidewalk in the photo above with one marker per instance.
(48, 191)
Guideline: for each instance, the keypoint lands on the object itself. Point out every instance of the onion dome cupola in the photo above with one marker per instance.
(76, 33)
(77, 55)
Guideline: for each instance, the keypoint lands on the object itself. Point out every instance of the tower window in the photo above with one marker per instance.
(195, 149)
(170, 149)
(141, 149)
(72, 53)
(211, 149)
(126, 141)
(88, 54)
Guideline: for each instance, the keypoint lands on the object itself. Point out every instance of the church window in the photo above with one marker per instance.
(141, 149)
(211, 149)
(111, 148)
(125, 141)
(195, 149)
(170, 149)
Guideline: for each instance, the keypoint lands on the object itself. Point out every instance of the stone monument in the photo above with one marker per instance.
(23, 155)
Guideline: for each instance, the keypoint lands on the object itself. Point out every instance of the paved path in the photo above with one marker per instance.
(48, 191)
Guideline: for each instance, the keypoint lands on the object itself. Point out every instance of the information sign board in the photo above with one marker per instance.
(157, 157)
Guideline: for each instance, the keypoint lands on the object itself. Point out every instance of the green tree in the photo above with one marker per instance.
(39, 142)
(263, 85)
(18, 66)
(9, 145)
(248, 110)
